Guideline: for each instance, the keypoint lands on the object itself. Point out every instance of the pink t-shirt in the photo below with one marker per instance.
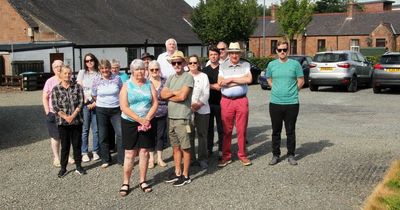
(48, 87)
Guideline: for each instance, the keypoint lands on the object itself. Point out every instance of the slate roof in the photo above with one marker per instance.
(31, 46)
(332, 24)
(112, 22)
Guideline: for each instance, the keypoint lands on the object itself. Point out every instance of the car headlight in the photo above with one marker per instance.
(262, 73)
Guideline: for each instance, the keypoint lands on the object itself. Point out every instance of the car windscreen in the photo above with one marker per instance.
(390, 59)
(297, 58)
(330, 57)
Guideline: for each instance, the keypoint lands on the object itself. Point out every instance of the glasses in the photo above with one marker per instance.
(192, 63)
(221, 49)
(87, 61)
(282, 50)
(154, 70)
(174, 63)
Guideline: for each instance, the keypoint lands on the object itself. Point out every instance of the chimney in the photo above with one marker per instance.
(350, 9)
(273, 12)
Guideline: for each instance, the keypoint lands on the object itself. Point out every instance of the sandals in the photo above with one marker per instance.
(124, 192)
(145, 189)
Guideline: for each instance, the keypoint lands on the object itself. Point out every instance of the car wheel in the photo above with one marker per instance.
(352, 87)
(313, 87)
(376, 89)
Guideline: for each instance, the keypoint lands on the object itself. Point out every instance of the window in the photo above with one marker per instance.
(133, 53)
(380, 43)
(158, 51)
(321, 45)
(355, 45)
(273, 46)
(293, 47)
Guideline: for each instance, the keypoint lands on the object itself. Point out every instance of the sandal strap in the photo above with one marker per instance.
(144, 188)
(123, 185)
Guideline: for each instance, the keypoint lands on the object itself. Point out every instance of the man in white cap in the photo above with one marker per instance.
(166, 68)
(234, 75)
(178, 91)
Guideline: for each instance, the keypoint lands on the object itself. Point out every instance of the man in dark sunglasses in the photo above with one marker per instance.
(285, 77)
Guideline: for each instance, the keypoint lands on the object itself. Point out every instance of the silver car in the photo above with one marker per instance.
(345, 68)
(387, 72)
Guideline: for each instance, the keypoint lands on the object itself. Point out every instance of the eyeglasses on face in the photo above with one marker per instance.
(176, 62)
(282, 50)
(154, 70)
(192, 63)
(90, 60)
(220, 49)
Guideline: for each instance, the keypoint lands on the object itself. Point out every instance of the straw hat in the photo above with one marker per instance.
(177, 54)
(234, 47)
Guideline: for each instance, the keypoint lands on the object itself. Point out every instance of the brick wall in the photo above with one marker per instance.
(13, 26)
(373, 7)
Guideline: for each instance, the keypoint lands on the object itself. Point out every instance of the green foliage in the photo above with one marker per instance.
(391, 202)
(261, 62)
(294, 16)
(224, 20)
(260, 11)
(327, 6)
(373, 59)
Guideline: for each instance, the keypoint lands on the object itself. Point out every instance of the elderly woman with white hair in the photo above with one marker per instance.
(161, 114)
(138, 101)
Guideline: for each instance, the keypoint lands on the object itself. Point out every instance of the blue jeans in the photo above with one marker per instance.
(105, 116)
(89, 119)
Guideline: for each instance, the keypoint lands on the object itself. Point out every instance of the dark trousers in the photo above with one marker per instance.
(215, 112)
(70, 134)
(105, 117)
(279, 114)
(161, 138)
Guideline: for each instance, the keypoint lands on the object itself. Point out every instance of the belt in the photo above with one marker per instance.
(235, 97)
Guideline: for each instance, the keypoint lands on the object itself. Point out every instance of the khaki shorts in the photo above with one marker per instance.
(178, 134)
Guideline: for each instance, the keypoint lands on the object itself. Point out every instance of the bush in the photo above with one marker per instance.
(261, 62)
(373, 59)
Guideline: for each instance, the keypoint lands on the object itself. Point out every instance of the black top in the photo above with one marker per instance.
(215, 96)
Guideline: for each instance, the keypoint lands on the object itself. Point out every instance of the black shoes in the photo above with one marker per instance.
(172, 178)
(274, 160)
(62, 173)
(182, 181)
(291, 160)
(80, 171)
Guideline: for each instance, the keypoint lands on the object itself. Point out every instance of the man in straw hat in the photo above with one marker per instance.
(178, 91)
(234, 75)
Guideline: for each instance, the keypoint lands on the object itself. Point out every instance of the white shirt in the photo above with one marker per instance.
(166, 68)
(230, 70)
(201, 92)
(220, 61)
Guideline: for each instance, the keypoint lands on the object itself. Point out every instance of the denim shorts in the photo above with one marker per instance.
(52, 126)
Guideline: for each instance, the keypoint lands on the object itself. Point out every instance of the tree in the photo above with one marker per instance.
(224, 20)
(260, 10)
(327, 6)
(293, 17)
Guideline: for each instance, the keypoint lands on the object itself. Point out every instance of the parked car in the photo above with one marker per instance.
(304, 61)
(340, 68)
(387, 72)
(255, 71)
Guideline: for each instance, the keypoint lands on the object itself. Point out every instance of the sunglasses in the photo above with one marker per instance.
(154, 70)
(192, 63)
(174, 63)
(282, 50)
(87, 61)
(221, 48)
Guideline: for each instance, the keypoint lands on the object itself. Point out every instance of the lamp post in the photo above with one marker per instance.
(263, 31)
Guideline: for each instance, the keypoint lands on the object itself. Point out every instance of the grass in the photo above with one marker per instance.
(386, 195)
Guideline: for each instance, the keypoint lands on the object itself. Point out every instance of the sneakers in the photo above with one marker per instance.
(95, 156)
(245, 161)
(291, 160)
(105, 165)
(80, 171)
(85, 158)
(172, 178)
(274, 160)
(223, 163)
(182, 180)
(62, 173)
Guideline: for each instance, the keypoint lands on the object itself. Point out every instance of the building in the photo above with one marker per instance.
(36, 32)
(376, 26)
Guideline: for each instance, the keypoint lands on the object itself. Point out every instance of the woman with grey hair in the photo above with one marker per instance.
(115, 67)
(138, 101)
(161, 115)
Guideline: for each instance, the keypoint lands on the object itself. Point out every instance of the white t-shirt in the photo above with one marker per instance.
(166, 68)
(201, 92)
(86, 78)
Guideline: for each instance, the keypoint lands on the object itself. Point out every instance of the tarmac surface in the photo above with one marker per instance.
(345, 142)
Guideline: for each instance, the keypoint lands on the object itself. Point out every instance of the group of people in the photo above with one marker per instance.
(171, 99)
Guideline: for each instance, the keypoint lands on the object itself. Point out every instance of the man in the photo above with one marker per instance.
(234, 75)
(146, 58)
(212, 72)
(166, 68)
(285, 77)
(178, 91)
(223, 56)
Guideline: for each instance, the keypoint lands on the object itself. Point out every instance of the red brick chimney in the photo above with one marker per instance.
(273, 12)
(350, 9)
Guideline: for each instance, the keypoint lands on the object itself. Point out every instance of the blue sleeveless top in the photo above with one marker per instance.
(139, 99)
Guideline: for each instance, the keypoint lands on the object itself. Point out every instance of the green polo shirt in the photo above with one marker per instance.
(284, 81)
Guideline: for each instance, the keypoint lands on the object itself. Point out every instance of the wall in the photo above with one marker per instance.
(13, 27)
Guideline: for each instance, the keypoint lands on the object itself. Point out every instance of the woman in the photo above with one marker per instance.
(201, 110)
(138, 100)
(161, 114)
(105, 92)
(67, 101)
(85, 79)
(115, 67)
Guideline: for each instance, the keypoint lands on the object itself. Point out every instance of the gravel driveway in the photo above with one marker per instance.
(345, 142)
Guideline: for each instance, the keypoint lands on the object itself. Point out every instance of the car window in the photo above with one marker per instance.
(360, 57)
(390, 59)
(330, 57)
(354, 57)
(309, 59)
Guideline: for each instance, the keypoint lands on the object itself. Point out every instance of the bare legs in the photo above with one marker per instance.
(129, 164)
(55, 148)
(178, 158)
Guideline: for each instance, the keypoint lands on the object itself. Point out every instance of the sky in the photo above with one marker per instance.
(267, 2)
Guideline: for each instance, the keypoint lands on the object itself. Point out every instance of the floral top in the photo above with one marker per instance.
(162, 109)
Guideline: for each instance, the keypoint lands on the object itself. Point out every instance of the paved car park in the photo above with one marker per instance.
(345, 142)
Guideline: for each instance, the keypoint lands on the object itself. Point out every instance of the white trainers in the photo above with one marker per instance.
(96, 156)
(105, 165)
(85, 158)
